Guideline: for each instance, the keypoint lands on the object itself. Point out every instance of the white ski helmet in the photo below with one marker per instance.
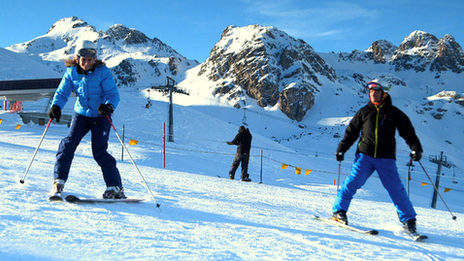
(377, 84)
(86, 48)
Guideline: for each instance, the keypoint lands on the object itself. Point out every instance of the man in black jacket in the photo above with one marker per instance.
(243, 142)
(377, 123)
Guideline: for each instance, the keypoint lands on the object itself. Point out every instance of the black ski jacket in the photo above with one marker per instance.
(377, 126)
(243, 141)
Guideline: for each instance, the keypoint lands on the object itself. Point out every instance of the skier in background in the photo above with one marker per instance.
(377, 123)
(243, 142)
(97, 97)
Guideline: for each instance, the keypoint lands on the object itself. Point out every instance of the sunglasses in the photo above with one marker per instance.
(87, 53)
(374, 86)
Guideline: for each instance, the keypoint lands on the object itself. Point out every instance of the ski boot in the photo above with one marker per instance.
(114, 192)
(245, 178)
(58, 186)
(340, 216)
(410, 226)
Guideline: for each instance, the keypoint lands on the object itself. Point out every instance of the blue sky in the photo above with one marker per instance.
(193, 27)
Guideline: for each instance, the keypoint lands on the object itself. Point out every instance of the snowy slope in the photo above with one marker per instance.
(16, 66)
(203, 217)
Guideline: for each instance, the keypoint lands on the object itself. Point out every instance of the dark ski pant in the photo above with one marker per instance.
(240, 158)
(362, 169)
(100, 129)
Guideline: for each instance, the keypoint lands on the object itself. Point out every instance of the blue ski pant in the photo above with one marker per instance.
(362, 169)
(100, 129)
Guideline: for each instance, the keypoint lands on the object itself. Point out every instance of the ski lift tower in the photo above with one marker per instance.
(170, 88)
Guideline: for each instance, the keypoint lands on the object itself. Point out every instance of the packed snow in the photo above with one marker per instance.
(203, 215)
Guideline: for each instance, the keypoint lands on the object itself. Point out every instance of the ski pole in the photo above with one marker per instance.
(339, 167)
(409, 174)
(436, 189)
(130, 156)
(37, 149)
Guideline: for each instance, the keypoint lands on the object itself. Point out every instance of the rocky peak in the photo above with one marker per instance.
(129, 35)
(418, 41)
(270, 66)
(382, 50)
(449, 56)
(421, 51)
(145, 60)
(415, 52)
(67, 23)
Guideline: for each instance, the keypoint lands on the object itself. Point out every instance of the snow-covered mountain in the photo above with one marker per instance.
(277, 70)
(269, 66)
(133, 58)
(419, 52)
(260, 65)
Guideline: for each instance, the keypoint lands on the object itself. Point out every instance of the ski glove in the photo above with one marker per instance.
(340, 156)
(415, 155)
(55, 113)
(105, 109)
(416, 152)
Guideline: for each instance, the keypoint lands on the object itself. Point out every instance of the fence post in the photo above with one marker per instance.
(122, 147)
(163, 149)
(261, 169)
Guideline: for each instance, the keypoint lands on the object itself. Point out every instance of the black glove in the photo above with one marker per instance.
(415, 155)
(105, 109)
(340, 156)
(416, 152)
(229, 143)
(55, 113)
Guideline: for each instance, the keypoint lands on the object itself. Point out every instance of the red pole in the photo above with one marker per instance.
(163, 151)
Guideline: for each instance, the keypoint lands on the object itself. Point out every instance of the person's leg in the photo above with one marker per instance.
(388, 174)
(245, 160)
(234, 166)
(65, 154)
(361, 170)
(100, 135)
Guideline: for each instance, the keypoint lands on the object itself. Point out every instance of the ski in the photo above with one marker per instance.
(417, 237)
(56, 197)
(372, 232)
(249, 180)
(75, 199)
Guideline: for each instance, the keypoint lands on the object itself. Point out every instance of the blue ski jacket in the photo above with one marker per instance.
(92, 88)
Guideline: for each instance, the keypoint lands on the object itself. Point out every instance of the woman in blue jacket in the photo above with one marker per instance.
(97, 97)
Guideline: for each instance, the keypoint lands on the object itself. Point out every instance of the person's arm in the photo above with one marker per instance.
(63, 92)
(235, 141)
(110, 90)
(408, 133)
(351, 133)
